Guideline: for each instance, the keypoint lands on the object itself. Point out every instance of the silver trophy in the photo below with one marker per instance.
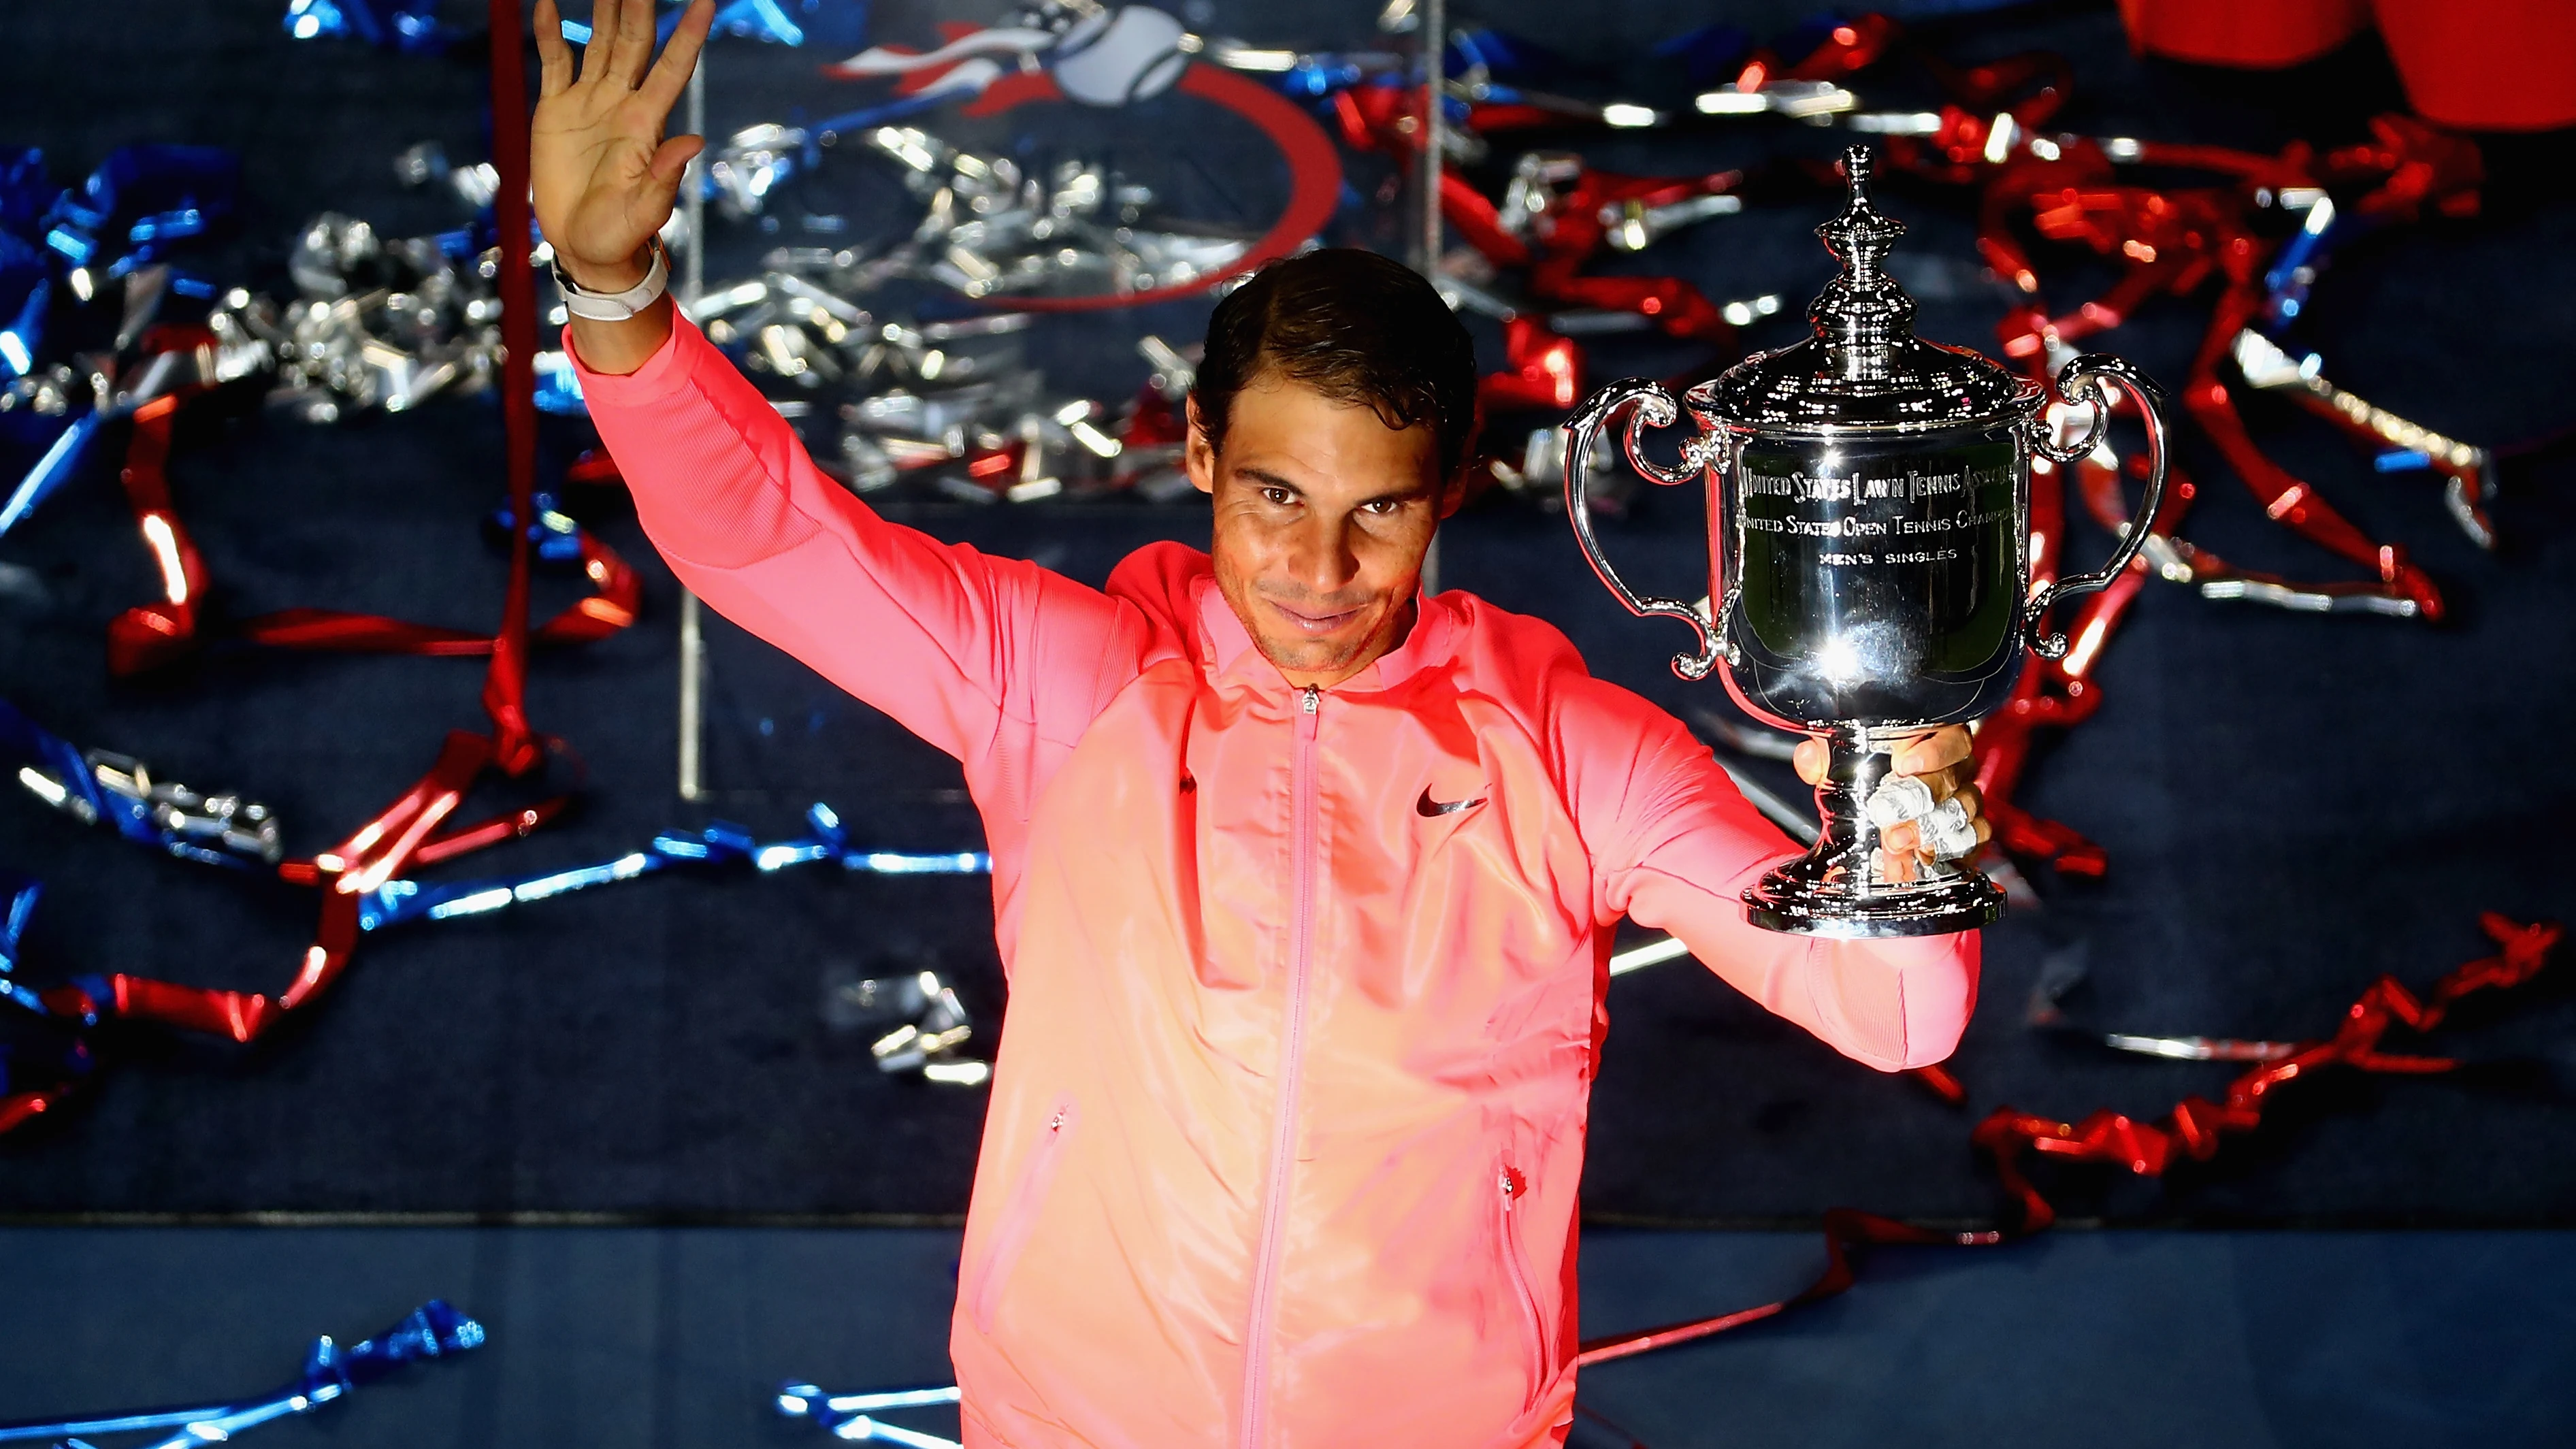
(1869, 546)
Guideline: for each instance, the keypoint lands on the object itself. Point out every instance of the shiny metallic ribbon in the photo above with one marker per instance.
(101, 243)
(1566, 213)
(755, 19)
(433, 1331)
(928, 1042)
(404, 833)
(2175, 240)
(852, 1416)
(416, 27)
(98, 787)
(413, 830)
(416, 828)
(1561, 213)
(410, 27)
(2195, 1129)
(2054, 693)
(954, 401)
(826, 839)
(154, 635)
(2171, 242)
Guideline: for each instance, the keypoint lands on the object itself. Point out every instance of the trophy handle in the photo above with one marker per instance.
(1653, 405)
(2081, 381)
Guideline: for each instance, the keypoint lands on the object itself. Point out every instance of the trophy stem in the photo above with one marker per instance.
(1837, 889)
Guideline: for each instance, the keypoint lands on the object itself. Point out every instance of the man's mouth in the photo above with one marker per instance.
(1315, 621)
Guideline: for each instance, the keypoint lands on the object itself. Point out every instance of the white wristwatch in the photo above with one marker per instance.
(616, 306)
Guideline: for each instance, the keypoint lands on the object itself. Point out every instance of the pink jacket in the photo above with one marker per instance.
(1306, 986)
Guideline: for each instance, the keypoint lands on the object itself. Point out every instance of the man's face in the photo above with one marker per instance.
(1322, 516)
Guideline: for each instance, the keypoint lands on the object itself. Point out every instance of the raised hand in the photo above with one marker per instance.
(603, 176)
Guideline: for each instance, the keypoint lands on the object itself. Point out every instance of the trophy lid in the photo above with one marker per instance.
(1864, 369)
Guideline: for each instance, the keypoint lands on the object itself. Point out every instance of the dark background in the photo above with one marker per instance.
(2293, 805)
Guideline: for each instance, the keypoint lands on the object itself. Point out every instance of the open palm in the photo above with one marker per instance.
(602, 175)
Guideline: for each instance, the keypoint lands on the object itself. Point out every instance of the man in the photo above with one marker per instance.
(1304, 880)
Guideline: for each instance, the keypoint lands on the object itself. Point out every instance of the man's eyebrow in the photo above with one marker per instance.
(1267, 479)
(1401, 495)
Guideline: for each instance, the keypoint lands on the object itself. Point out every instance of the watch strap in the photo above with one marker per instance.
(616, 306)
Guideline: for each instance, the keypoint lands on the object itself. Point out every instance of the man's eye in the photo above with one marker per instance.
(1384, 506)
(1277, 497)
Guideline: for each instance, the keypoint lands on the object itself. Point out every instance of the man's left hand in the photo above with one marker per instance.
(1938, 758)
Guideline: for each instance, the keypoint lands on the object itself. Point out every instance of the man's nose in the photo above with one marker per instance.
(1321, 558)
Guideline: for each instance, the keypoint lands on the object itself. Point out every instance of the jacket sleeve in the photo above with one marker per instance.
(948, 641)
(1674, 844)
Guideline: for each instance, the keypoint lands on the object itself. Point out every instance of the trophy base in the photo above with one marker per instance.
(1837, 890)
(1801, 901)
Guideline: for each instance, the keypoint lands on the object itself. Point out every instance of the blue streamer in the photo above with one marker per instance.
(59, 1054)
(26, 290)
(58, 463)
(434, 1330)
(878, 115)
(850, 1417)
(140, 204)
(1501, 56)
(226, 831)
(720, 845)
(414, 27)
(22, 892)
(554, 536)
(154, 195)
(74, 786)
(780, 22)
(2293, 273)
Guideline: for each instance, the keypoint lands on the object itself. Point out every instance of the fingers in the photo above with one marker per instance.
(603, 34)
(634, 44)
(1810, 760)
(1970, 801)
(554, 58)
(661, 89)
(671, 159)
(1936, 750)
(1903, 850)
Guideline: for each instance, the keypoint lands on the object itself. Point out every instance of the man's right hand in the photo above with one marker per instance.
(603, 177)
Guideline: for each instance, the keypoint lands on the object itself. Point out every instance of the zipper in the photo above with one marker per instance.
(1283, 1140)
(1019, 1219)
(1534, 1333)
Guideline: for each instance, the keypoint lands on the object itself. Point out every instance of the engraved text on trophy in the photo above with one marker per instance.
(1878, 576)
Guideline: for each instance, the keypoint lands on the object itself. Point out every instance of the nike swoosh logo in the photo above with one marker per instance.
(1428, 806)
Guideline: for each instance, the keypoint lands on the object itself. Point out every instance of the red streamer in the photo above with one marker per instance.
(154, 635)
(2173, 241)
(2195, 1128)
(1563, 241)
(1845, 1229)
(1540, 369)
(154, 631)
(414, 829)
(376, 853)
(515, 747)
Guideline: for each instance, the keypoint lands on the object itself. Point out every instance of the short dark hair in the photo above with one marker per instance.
(1356, 327)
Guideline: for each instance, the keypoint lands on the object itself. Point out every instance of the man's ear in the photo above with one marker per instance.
(1453, 493)
(1198, 458)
